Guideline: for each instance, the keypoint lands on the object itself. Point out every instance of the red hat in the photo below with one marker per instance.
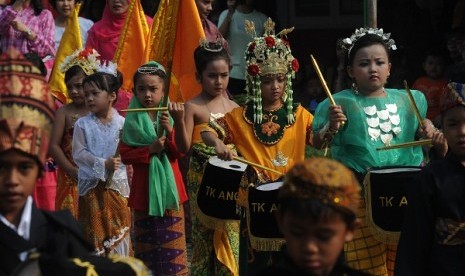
(26, 106)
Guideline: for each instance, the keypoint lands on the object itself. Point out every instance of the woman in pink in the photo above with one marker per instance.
(28, 27)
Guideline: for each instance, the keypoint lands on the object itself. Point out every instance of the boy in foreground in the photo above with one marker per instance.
(317, 215)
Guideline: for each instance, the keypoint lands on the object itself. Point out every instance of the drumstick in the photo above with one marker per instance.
(408, 144)
(412, 103)
(163, 108)
(323, 83)
(322, 80)
(256, 165)
(112, 172)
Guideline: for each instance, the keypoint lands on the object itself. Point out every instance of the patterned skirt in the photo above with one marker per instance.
(105, 218)
(215, 252)
(67, 193)
(160, 242)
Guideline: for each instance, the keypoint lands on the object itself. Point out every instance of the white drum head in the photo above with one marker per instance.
(270, 186)
(229, 165)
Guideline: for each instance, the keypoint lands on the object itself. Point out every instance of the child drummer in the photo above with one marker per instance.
(269, 130)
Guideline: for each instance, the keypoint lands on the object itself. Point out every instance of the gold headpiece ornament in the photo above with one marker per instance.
(322, 179)
(212, 46)
(268, 55)
(86, 58)
(26, 107)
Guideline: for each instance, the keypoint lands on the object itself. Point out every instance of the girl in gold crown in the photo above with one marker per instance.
(80, 64)
(269, 130)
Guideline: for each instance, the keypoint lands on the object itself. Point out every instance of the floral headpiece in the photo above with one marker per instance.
(86, 58)
(349, 42)
(212, 46)
(453, 96)
(267, 55)
(109, 67)
(322, 179)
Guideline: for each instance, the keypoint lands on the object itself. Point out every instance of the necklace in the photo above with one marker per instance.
(214, 116)
(273, 109)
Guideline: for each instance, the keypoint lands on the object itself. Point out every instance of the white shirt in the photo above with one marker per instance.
(93, 143)
(238, 38)
(84, 26)
(24, 226)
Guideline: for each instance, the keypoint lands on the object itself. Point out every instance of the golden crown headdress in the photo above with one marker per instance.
(267, 55)
(212, 46)
(86, 58)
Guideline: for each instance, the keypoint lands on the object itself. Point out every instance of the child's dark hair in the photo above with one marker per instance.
(155, 72)
(366, 41)
(315, 210)
(35, 59)
(203, 57)
(73, 71)
(105, 81)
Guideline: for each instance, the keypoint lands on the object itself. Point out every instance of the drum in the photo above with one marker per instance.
(217, 194)
(261, 222)
(386, 200)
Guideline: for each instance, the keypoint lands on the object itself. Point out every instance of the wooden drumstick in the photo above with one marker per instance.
(163, 108)
(413, 104)
(408, 144)
(112, 172)
(323, 83)
(322, 80)
(256, 165)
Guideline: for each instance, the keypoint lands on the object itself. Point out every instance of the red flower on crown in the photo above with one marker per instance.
(295, 65)
(252, 47)
(86, 52)
(253, 70)
(269, 41)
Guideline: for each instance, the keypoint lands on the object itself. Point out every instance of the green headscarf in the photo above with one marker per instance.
(138, 130)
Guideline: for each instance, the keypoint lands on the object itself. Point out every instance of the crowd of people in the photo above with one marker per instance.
(86, 187)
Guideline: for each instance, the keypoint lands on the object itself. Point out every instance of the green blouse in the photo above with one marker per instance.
(374, 123)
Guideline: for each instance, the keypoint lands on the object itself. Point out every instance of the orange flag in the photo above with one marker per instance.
(70, 42)
(175, 34)
(130, 51)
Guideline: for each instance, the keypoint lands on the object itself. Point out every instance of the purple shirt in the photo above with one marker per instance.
(42, 25)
